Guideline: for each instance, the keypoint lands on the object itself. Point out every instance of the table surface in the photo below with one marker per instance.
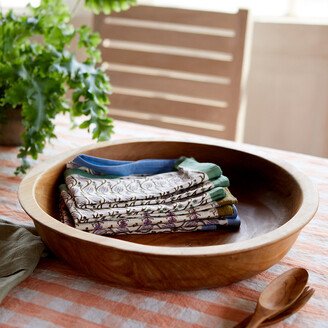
(55, 295)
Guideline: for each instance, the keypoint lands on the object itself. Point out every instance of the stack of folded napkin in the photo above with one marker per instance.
(110, 197)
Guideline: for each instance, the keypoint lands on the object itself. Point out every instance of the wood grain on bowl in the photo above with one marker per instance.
(275, 202)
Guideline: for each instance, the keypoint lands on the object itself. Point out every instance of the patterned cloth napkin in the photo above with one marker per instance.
(193, 197)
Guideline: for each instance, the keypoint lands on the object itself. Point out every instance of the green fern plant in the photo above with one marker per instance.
(108, 6)
(38, 68)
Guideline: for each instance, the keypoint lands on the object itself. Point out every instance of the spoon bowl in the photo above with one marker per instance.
(284, 289)
(296, 306)
(279, 294)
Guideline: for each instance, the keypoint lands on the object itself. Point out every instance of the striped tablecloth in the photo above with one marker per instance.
(57, 296)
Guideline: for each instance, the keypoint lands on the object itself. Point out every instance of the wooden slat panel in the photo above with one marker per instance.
(170, 38)
(181, 16)
(226, 134)
(173, 62)
(170, 85)
(171, 108)
(181, 41)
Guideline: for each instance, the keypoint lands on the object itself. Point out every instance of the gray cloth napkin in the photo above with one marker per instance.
(20, 252)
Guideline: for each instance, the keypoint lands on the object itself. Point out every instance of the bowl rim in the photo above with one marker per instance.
(302, 217)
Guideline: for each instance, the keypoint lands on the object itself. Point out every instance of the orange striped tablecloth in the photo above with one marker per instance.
(57, 296)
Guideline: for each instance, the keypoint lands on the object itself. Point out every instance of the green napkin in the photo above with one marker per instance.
(20, 251)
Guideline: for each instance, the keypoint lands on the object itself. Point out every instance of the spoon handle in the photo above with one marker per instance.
(256, 320)
(242, 324)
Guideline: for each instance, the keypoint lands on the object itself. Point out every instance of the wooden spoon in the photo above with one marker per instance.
(296, 306)
(279, 295)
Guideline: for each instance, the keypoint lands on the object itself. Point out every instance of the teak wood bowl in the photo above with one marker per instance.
(275, 203)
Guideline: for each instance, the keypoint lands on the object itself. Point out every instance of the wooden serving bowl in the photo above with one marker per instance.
(275, 203)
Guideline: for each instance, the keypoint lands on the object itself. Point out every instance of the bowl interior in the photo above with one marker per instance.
(268, 196)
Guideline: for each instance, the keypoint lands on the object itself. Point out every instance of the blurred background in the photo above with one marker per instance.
(287, 98)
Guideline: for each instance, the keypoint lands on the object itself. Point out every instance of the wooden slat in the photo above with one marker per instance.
(169, 119)
(171, 96)
(166, 73)
(170, 85)
(169, 38)
(181, 16)
(165, 61)
(170, 108)
(226, 134)
(167, 50)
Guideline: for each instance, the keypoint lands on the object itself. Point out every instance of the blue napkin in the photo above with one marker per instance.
(125, 168)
